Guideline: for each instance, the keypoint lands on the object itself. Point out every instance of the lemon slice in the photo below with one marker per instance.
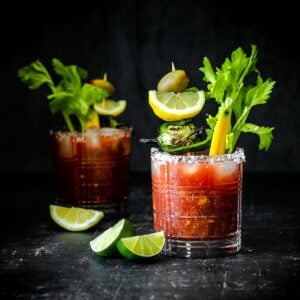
(170, 106)
(110, 108)
(142, 246)
(75, 218)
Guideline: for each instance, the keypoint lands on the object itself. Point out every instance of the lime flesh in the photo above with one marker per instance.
(143, 246)
(106, 243)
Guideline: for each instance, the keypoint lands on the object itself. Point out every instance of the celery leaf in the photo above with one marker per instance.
(234, 79)
(264, 133)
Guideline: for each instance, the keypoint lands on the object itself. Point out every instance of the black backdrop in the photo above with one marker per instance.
(135, 42)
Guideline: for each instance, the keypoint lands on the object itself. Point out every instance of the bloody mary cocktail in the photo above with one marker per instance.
(197, 202)
(197, 170)
(92, 168)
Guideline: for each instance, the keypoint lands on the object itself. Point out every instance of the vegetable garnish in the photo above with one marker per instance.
(223, 125)
(228, 82)
(176, 103)
(181, 136)
(231, 87)
(70, 95)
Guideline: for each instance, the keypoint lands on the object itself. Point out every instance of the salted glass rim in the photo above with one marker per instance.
(159, 156)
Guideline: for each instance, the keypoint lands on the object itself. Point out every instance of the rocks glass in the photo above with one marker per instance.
(92, 168)
(197, 201)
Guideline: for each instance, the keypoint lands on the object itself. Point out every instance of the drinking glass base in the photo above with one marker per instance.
(203, 249)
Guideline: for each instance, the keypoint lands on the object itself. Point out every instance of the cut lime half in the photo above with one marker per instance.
(143, 246)
(106, 243)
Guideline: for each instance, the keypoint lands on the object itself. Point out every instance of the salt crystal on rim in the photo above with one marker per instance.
(238, 156)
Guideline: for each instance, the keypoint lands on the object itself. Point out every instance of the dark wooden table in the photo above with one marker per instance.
(41, 261)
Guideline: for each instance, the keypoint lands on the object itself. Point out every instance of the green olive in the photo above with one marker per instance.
(175, 81)
(104, 84)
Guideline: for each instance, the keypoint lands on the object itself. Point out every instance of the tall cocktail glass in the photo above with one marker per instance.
(92, 168)
(197, 201)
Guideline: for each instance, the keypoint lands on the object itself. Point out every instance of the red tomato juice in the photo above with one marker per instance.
(197, 199)
(92, 168)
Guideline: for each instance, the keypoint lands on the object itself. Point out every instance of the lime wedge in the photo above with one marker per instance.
(106, 243)
(170, 106)
(110, 107)
(75, 218)
(143, 246)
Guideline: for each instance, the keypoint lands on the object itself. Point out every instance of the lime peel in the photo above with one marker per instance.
(106, 243)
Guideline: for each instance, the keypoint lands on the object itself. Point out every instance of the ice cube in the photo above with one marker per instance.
(126, 145)
(64, 144)
(93, 138)
(226, 171)
(228, 167)
(158, 170)
(110, 131)
(190, 169)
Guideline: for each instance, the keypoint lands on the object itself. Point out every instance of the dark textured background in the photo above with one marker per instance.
(135, 41)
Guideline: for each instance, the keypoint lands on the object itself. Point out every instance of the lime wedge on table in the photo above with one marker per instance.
(75, 218)
(110, 108)
(143, 246)
(170, 106)
(106, 243)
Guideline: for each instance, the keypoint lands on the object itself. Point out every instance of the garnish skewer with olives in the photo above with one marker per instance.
(177, 105)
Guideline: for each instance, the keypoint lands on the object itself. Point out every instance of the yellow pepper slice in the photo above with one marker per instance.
(94, 122)
(222, 128)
